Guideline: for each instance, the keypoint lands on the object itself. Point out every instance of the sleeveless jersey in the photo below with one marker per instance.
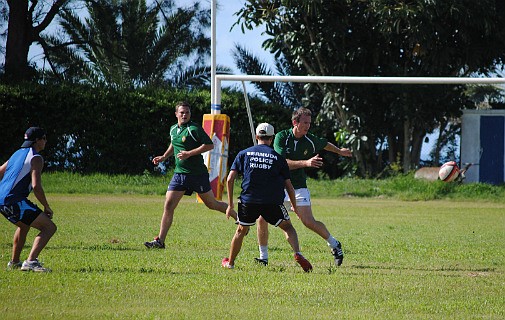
(16, 184)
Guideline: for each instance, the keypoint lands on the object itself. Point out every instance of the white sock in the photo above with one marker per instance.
(332, 242)
(263, 252)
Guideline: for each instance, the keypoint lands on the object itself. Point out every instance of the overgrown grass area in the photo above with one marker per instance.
(442, 259)
(402, 187)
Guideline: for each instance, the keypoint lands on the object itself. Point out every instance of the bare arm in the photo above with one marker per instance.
(314, 162)
(291, 193)
(37, 165)
(168, 153)
(344, 152)
(2, 169)
(229, 187)
(201, 149)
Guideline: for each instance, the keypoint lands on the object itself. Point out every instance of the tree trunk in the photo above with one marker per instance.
(18, 41)
(406, 145)
(417, 144)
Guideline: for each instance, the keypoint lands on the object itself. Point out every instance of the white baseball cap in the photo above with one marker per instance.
(265, 130)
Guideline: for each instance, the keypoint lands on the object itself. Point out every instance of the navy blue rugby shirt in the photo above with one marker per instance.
(264, 174)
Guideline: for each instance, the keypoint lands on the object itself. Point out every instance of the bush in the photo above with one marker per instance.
(101, 130)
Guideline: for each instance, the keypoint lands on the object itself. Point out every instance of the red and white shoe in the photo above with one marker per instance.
(225, 263)
(304, 263)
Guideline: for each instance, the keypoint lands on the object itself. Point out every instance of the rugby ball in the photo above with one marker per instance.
(449, 171)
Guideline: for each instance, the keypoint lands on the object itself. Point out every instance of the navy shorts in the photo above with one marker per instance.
(274, 214)
(190, 183)
(23, 211)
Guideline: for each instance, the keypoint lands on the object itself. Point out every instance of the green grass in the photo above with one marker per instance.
(442, 259)
(403, 187)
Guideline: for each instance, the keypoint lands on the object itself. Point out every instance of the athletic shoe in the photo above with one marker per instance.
(261, 261)
(338, 254)
(304, 263)
(34, 265)
(156, 243)
(225, 263)
(14, 265)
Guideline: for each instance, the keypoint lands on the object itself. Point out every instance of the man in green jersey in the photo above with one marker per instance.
(188, 142)
(301, 150)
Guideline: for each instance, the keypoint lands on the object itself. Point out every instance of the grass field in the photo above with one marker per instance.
(441, 259)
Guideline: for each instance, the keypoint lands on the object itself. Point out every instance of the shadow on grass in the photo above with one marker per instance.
(332, 269)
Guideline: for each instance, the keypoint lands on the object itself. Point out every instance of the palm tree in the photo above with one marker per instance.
(128, 44)
(286, 94)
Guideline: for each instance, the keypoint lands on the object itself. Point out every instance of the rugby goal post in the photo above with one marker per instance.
(217, 160)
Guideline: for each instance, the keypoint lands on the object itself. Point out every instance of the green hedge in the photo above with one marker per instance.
(97, 130)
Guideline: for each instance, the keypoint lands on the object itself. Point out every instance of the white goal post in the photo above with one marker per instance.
(216, 92)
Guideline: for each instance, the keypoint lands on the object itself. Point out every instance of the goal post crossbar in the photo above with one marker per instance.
(369, 80)
(216, 101)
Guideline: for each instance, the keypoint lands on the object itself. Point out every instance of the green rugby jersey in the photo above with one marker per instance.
(304, 148)
(187, 137)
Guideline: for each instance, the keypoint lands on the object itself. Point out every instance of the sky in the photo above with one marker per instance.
(251, 40)
(226, 40)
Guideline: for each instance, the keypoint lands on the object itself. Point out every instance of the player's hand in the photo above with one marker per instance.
(315, 162)
(344, 152)
(183, 155)
(229, 211)
(157, 160)
(295, 210)
(49, 212)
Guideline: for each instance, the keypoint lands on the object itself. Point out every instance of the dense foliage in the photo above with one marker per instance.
(114, 131)
(414, 38)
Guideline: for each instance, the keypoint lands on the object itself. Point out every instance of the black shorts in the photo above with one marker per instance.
(23, 211)
(198, 183)
(274, 214)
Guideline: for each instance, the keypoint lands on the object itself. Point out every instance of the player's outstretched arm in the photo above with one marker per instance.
(168, 153)
(344, 152)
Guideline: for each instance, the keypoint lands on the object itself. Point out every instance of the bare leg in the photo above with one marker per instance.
(213, 204)
(47, 230)
(290, 233)
(262, 230)
(236, 242)
(18, 242)
(305, 214)
(171, 201)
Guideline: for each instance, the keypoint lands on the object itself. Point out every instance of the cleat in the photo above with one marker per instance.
(156, 243)
(338, 254)
(14, 265)
(304, 263)
(225, 263)
(34, 265)
(261, 261)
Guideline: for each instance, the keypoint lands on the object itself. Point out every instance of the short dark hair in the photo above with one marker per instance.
(182, 104)
(264, 138)
(300, 112)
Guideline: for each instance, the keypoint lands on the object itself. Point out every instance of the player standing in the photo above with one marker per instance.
(18, 177)
(265, 175)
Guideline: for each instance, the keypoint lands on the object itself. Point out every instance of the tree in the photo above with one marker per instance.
(26, 21)
(128, 44)
(384, 38)
(288, 95)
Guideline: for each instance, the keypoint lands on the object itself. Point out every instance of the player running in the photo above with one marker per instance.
(301, 149)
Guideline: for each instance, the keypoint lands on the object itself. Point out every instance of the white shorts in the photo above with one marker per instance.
(302, 198)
